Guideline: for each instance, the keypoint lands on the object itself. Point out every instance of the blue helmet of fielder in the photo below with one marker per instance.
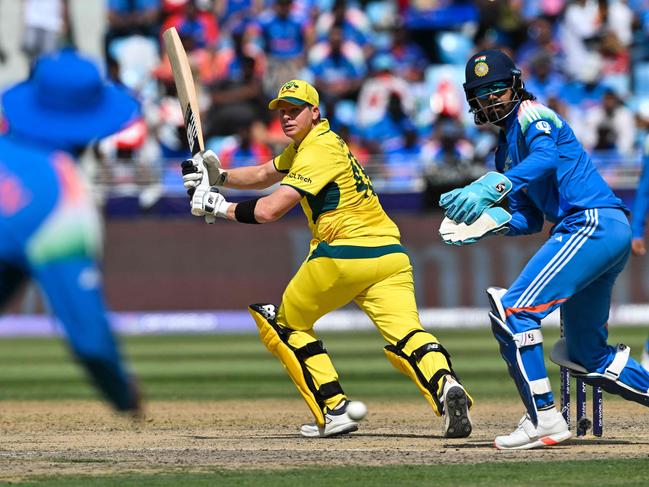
(490, 72)
(67, 103)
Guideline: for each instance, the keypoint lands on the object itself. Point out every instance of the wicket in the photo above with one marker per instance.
(583, 423)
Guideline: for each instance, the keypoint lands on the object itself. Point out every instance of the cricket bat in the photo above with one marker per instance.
(188, 100)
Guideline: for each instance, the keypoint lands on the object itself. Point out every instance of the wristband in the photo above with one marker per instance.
(244, 212)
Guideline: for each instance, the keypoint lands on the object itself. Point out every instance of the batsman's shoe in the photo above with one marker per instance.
(552, 429)
(337, 422)
(457, 421)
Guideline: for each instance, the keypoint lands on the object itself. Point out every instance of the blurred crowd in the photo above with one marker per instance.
(389, 74)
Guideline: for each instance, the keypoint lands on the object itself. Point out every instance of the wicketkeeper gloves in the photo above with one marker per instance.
(492, 222)
(465, 205)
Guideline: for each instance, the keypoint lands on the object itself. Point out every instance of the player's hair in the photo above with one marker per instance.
(523, 93)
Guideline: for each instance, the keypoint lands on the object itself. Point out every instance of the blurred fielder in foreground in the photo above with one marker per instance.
(355, 254)
(49, 227)
(545, 174)
(638, 223)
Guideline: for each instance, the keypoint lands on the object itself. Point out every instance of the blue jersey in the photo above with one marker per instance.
(641, 203)
(283, 38)
(551, 174)
(46, 212)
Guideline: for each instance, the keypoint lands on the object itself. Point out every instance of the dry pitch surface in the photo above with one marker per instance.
(84, 437)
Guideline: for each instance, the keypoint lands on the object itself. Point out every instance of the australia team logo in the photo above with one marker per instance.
(290, 86)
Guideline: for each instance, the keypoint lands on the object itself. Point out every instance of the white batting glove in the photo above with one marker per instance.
(192, 170)
(208, 201)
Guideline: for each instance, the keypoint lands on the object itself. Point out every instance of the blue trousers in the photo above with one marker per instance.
(576, 269)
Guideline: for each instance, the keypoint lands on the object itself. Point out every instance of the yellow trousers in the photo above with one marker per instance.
(378, 279)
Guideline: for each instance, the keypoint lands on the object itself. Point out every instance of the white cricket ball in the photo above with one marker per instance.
(356, 410)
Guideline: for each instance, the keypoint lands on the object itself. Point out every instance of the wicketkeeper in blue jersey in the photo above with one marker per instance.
(543, 173)
(638, 222)
(50, 230)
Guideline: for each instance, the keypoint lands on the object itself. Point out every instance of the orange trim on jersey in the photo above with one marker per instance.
(534, 309)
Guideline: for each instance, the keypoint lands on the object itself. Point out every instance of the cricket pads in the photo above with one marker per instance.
(275, 338)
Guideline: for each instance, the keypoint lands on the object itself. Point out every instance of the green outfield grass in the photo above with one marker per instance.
(600, 473)
(211, 367)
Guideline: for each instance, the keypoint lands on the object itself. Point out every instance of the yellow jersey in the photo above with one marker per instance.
(338, 198)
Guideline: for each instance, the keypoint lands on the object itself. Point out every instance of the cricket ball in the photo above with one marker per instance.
(356, 410)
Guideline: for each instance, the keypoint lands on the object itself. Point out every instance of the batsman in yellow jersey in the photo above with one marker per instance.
(355, 254)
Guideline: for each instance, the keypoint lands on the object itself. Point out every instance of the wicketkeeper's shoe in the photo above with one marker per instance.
(457, 421)
(552, 429)
(337, 422)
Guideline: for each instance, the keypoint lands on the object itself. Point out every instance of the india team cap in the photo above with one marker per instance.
(488, 66)
(297, 92)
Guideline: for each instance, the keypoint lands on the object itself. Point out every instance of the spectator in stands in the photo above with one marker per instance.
(353, 22)
(167, 120)
(356, 145)
(244, 149)
(581, 22)
(46, 23)
(234, 101)
(501, 20)
(610, 127)
(619, 20)
(286, 41)
(540, 41)
(195, 23)
(376, 91)
(336, 75)
(403, 162)
(448, 148)
(542, 79)
(131, 17)
(231, 13)
(389, 132)
(409, 58)
(584, 92)
(229, 60)
(448, 159)
(616, 58)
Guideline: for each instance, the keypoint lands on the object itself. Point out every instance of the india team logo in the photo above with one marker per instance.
(481, 69)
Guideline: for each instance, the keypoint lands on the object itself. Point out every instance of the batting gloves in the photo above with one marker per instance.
(465, 205)
(208, 201)
(193, 170)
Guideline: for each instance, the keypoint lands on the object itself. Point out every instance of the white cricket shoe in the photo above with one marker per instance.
(457, 421)
(337, 422)
(644, 360)
(552, 429)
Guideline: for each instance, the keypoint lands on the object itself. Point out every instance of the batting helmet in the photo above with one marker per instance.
(488, 72)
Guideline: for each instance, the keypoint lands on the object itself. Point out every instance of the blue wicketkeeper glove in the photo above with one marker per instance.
(492, 222)
(465, 205)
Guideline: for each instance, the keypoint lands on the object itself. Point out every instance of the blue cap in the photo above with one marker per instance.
(489, 66)
(67, 103)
